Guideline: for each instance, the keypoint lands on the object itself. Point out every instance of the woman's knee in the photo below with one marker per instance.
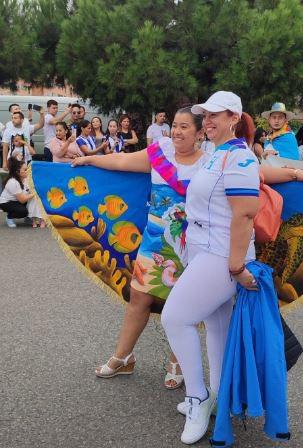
(140, 300)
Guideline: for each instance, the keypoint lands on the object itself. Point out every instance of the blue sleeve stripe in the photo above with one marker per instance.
(241, 192)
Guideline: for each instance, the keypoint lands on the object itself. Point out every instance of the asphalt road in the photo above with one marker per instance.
(55, 327)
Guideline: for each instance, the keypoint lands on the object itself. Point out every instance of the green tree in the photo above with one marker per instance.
(18, 53)
(267, 65)
(45, 18)
(123, 59)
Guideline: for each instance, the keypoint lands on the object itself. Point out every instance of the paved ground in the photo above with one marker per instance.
(55, 325)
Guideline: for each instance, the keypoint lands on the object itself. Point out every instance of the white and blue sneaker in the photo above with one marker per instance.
(181, 407)
(10, 223)
(197, 417)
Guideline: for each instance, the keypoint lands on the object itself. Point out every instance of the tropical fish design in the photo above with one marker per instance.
(56, 197)
(79, 185)
(125, 237)
(84, 216)
(114, 207)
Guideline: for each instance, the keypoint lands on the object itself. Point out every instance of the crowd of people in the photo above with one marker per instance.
(209, 159)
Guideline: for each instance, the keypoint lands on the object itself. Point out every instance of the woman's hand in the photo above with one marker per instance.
(78, 161)
(71, 139)
(247, 280)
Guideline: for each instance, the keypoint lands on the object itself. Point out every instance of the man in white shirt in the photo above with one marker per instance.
(158, 129)
(16, 108)
(49, 129)
(19, 127)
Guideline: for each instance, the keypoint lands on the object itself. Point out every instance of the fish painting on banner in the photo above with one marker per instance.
(97, 216)
(100, 217)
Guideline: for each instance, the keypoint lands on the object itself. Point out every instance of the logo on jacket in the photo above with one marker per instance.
(246, 163)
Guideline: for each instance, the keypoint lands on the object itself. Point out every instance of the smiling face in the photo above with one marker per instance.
(277, 120)
(184, 133)
(218, 126)
(61, 132)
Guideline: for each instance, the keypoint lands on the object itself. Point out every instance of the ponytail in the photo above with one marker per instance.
(246, 128)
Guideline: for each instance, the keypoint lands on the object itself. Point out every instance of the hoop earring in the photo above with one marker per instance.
(232, 129)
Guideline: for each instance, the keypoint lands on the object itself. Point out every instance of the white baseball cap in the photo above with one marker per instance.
(218, 102)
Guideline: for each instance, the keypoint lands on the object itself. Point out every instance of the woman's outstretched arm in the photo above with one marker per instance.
(136, 161)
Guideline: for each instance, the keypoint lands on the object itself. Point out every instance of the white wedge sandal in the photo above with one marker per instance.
(126, 368)
(173, 376)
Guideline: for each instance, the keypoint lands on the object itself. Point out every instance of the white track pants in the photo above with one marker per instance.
(203, 293)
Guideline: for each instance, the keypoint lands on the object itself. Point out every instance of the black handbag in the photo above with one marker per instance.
(293, 348)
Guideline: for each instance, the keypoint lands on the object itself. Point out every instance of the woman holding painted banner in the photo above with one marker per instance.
(162, 254)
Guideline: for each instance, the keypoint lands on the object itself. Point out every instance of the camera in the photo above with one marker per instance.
(29, 106)
(37, 108)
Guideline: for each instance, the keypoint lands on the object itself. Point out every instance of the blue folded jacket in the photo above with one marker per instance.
(254, 378)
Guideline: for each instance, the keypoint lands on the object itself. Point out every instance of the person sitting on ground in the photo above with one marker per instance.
(113, 137)
(97, 131)
(16, 199)
(127, 133)
(20, 149)
(21, 128)
(281, 140)
(86, 142)
(63, 146)
(158, 129)
(49, 129)
(258, 145)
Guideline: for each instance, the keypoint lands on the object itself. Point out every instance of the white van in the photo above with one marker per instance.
(63, 102)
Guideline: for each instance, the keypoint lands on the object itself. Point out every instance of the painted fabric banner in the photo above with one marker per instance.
(98, 218)
(285, 255)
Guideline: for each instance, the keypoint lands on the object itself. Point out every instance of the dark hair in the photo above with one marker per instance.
(65, 127)
(14, 167)
(123, 117)
(20, 114)
(51, 103)
(197, 119)
(11, 105)
(245, 127)
(93, 130)
(299, 136)
(82, 107)
(160, 111)
(258, 135)
(75, 105)
(107, 130)
(82, 124)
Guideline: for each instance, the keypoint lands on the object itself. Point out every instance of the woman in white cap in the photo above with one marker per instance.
(281, 141)
(221, 202)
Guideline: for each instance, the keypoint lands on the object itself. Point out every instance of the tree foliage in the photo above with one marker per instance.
(137, 55)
